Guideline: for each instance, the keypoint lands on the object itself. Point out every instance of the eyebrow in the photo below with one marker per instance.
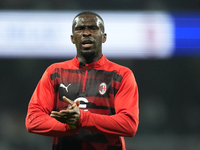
(94, 25)
(100, 26)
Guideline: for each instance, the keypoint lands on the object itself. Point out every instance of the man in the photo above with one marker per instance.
(89, 102)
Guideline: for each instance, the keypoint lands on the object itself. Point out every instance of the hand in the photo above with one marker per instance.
(71, 115)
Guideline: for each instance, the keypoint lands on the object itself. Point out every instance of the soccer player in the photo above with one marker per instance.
(89, 102)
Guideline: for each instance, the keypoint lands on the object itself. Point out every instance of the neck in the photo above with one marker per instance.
(87, 59)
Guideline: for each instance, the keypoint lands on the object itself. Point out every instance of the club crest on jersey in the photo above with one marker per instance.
(102, 88)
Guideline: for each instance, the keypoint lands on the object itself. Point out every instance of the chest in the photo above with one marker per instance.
(95, 88)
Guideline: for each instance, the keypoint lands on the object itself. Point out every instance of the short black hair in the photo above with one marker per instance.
(89, 13)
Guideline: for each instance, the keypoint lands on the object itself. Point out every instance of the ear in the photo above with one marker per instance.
(72, 39)
(104, 37)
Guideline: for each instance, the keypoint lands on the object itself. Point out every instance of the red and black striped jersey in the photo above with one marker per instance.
(108, 96)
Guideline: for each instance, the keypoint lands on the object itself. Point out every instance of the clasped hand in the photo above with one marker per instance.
(69, 116)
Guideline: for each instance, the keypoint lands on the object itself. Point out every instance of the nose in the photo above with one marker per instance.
(86, 32)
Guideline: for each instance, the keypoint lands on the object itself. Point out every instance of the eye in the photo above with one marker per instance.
(79, 28)
(93, 28)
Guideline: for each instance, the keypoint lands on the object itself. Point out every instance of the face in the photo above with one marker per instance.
(88, 36)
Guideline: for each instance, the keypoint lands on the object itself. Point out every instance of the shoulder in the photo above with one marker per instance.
(118, 68)
(59, 65)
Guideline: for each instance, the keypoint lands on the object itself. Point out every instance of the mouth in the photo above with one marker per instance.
(86, 44)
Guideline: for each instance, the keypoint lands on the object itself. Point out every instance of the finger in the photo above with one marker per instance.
(68, 100)
(72, 106)
(77, 102)
(54, 115)
(72, 126)
(54, 112)
(71, 121)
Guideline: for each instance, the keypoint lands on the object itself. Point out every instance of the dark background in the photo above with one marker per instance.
(169, 5)
(168, 88)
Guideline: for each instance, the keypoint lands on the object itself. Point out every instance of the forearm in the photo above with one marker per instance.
(43, 124)
(122, 124)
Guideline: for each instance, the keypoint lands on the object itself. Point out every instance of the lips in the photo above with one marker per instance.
(87, 43)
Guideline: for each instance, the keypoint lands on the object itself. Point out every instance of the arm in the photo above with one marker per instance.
(125, 121)
(38, 118)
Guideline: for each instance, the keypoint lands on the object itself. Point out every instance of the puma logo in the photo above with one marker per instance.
(65, 87)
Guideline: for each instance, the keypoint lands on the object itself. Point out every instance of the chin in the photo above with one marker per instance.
(88, 54)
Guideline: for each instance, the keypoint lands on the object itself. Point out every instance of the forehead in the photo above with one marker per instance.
(87, 20)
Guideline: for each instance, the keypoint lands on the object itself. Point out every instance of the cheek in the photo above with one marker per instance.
(100, 40)
(76, 39)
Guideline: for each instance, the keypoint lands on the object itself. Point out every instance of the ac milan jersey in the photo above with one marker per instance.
(108, 96)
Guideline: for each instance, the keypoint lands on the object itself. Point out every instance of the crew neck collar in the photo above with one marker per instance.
(95, 64)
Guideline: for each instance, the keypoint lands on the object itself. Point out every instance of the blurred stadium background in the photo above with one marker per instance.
(159, 40)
